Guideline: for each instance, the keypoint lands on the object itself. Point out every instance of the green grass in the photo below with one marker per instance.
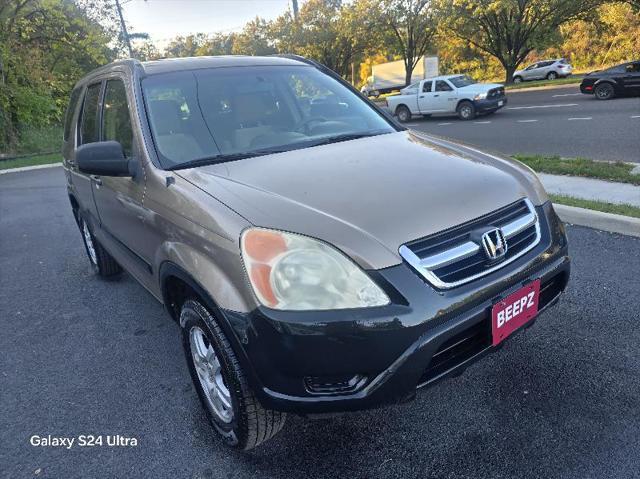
(531, 84)
(619, 171)
(626, 210)
(31, 161)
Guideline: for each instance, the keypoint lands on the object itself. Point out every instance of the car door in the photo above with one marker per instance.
(543, 70)
(86, 131)
(530, 72)
(631, 78)
(119, 199)
(425, 97)
(445, 96)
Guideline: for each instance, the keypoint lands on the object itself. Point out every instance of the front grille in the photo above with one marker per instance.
(495, 92)
(456, 256)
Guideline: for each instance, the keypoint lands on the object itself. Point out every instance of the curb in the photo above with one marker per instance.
(597, 219)
(29, 168)
(543, 87)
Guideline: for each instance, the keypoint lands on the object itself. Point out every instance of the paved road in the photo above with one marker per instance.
(79, 355)
(559, 121)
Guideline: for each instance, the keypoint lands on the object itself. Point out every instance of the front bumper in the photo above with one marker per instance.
(490, 104)
(388, 352)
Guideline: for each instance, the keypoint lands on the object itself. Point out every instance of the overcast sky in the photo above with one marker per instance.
(164, 19)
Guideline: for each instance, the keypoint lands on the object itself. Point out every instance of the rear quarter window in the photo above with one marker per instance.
(71, 109)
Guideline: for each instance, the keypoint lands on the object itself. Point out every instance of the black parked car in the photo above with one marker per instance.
(615, 81)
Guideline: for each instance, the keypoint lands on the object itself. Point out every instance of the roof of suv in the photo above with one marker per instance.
(167, 65)
(194, 63)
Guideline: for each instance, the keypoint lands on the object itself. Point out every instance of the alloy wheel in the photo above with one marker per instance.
(209, 370)
(603, 92)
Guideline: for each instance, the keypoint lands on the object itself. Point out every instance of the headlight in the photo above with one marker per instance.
(293, 272)
(480, 96)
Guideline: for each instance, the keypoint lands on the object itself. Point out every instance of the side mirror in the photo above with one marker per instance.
(104, 158)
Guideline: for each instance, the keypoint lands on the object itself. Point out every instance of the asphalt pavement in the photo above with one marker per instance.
(79, 355)
(559, 121)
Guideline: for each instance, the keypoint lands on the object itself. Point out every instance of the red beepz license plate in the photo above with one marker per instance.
(514, 311)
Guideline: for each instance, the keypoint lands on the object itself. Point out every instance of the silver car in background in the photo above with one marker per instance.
(544, 69)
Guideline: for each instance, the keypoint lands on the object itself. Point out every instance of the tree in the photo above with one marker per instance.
(45, 47)
(255, 39)
(510, 30)
(326, 31)
(413, 27)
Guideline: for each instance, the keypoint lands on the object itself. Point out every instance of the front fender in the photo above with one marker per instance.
(221, 275)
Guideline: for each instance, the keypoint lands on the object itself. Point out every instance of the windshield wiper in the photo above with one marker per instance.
(212, 160)
(346, 137)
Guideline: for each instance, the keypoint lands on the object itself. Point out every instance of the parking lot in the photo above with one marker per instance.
(559, 120)
(85, 356)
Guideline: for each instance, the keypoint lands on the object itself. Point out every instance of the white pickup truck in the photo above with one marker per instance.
(459, 94)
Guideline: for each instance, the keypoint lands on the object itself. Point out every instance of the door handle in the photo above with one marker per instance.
(96, 179)
(435, 95)
(421, 96)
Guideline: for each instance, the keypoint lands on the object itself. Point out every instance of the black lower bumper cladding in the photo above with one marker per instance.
(334, 361)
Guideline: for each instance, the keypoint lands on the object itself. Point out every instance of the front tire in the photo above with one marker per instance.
(466, 110)
(231, 406)
(101, 261)
(404, 114)
(552, 76)
(604, 91)
(517, 80)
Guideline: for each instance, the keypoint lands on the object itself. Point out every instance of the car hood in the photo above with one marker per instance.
(368, 196)
(480, 87)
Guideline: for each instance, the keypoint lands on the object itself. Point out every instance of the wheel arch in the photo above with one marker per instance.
(173, 277)
(400, 105)
(463, 100)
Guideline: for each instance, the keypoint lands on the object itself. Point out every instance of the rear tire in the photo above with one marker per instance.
(604, 91)
(247, 424)
(552, 76)
(466, 110)
(403, 113)
(101, 261)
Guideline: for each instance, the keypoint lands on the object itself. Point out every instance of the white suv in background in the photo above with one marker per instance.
(549, 69)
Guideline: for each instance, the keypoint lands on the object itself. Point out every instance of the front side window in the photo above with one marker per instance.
(89, 127)
(426, 87)
(246, 111)
(462, 81)
(442, 85)
(116, 122)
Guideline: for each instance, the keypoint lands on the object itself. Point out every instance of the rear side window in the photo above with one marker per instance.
(75, 95)
(442, 85)
(116, 122)
(89, 128)
(633, 67)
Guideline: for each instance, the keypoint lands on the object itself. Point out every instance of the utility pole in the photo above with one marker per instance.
(124, 29)
(295, 8)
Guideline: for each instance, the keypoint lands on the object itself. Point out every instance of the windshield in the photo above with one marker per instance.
(462, 80)
(240, 112)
